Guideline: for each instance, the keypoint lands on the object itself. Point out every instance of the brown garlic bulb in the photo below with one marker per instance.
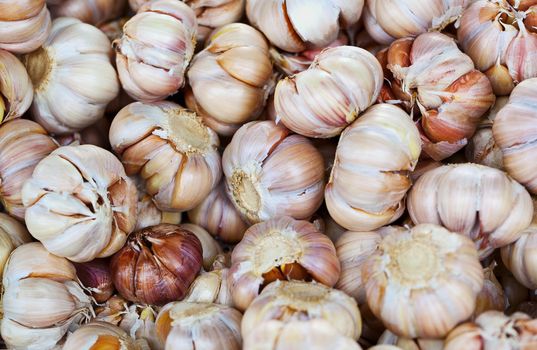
(214, 14)
(155, 49)
(426, 265)
(370, 178)
(95, 275)
(388, 338)
(491, 297)
(23, 144)
(172, 150)
(210, 248)
(89, 11)
(477, 201)
(520, 257)
(99, 335)
(230, 79)
(12, 235)
(321, 101)
(24, 25)
(280, 249)
(493, 330)
(157, 264)
(85, 213)
(16, 91)
(270, 173)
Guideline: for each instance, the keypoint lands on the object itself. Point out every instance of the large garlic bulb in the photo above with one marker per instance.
(93, 12)
(16, 91)
(370, 178)
(12, 235)
(79, 203)
(99, 335)
(520, 257)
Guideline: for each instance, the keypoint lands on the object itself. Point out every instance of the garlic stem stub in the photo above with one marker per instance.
(16, 91)
(94, 12)
(99, 335)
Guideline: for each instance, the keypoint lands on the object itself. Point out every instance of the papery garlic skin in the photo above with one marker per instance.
(23, 144)
(209, 245)
(520, 257)
(96, 277)
(85, 213)
(89, 11)
(155, 49)
(139, 322)
(370, 178)
(231, 78)
(270, 173)
(24, 25)
(477, 201)
(171, 149)
(99, 335)
(16, 91)
(426, 265)
(321, 101)
(214, 14)
(12, 235)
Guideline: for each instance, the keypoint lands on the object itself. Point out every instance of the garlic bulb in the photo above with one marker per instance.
(388, 338)
(491, 297)
(90, 11)
(214, 14)
(520, 257)
(280, 249)
(321, 101)
(287, 301)
(24, 25)
(514, 132)
(96, 277)
(99, 335)
(202, 326)
(500, 38)
(493, 330)
(477, 201)
(12, 235)
(270, 173)
(296, 25)
(157, 265)
(370, 178)
(171, 148)
(209, 246)
(230, 78)
(23, 144)
(426, 265)
(85, 213)
(16, 92)
(41, 298)
(155, 49)
(211, 287)
(433, 77)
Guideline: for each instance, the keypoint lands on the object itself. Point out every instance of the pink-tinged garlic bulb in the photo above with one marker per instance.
(16, 91)
(89, 11)
(520, 257)
(24, 25)
(433, 78)
(321, 101)
(155, 49)
(214, 14)
(280, 249)
(491, 297)
(85, 213)
(477, 201)
(23, 144)
(501, 39)
(100, 335)
(426, 265)
(230, 78)
(297, 25)
(171, 149)
(515, 131)
(270, 173)
(492, 331)
(401, 343)
(370, 178)
(72, 66)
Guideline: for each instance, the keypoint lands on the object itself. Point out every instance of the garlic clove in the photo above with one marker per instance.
(209, 245)
(300, 13)
(16, 91)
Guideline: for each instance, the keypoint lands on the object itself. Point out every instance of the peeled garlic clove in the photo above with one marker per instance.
(426, 265)
(520, 257)
(89, 11)
(211, 287)
(213, 14)
(209, 245)
(99, 335)
(407, 344)
(16, 92)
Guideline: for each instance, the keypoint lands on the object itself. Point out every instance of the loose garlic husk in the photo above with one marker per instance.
(12, 235)
(426, 265)
(214, 14)
(520, 257)
(211, 287)
(211, 249)
(23, 144)
(477, 201)
(287, 301)
(296, 25)
(433, 78)
(270, 173)
(155, 49)
(493, 330)
(388, 338)
(85, 213)
(16, 91)
(202, 326)
(24, 25)
(89, 11)
(370, 178)
(281, 248)
(172, 150)
(491, 297)
(41, 299)
(231, 78)
(99, 335)
(321, 101)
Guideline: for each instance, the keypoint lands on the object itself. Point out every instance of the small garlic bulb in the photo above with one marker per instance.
(16, 91)
(280, 249)
(270, 173)
(23, 144)
(321, 101)
(24, 25)
(203, 326)
(230, 78)
(426, 265)
(520, 257)
(477, 201)
(389, 339)
(296, 25)
(210, 247)
(93, 12)
(370, 178)
(95, 275)
(211, 287)
(85, 213)
(12, 235)
(172, 150)
(99, 335)
(155, 49)
(214, 14)
(491, 296)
